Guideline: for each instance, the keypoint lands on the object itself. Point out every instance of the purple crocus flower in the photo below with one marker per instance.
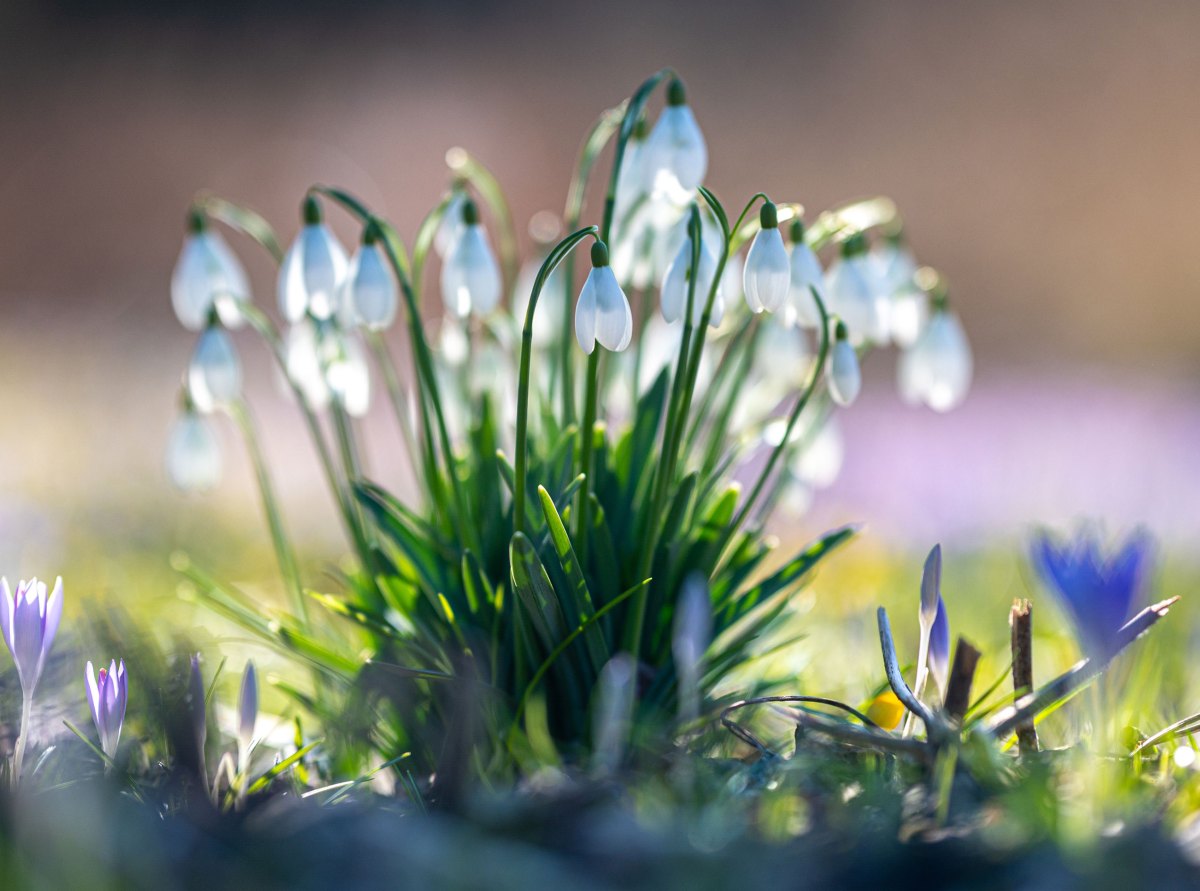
(29, 620)
(1099, 592)
(106, 694)
(939, 648)
(247, 709)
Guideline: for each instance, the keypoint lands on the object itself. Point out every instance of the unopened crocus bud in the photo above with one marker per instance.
(767, 275)
(939, 649)
(29, 620)
(602, 314)
(676, 156)
(207, 276)
(370, 297)
(850, 284)
(313, 270)
(470, 275)
(674, 292)
(247, 709)
(215, 371)
(196, 704)
(107, 693)
(845, 378)
(193, 457)
(807, 277)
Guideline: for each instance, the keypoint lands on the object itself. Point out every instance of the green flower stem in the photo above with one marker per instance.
(396, 395)
(593, 144)
(284, 554)
(560, 252)
(19, 750)
(426, 377)
(266, 329)
(633, 111)
(814, 380)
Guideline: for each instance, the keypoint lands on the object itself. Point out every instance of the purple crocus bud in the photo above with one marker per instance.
(1098, 591)
(107, 692)
(247, 708)
(939, 649)
(196, 704)
(29, 620)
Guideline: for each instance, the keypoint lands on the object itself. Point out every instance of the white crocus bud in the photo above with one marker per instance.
(845, 378)
(193, 457)
(676, 157)
(301, 352)
(215, 371)
(674, 294)
(851, 287)
(346, 371)
(470, 276)
(938, 369)
(207, 274)
(370, 297)
(767, 276)
(602, 314)
(313, 270)
(807, 277)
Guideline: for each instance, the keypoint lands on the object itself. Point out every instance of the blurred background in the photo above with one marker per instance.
(1042, 154)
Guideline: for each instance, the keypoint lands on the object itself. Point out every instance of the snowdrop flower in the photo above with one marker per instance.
(207, 275)
(767, 275)
(632, 177)
(1099, 591)
(845, 378)
(451, 225)
(215, 371)
(634, 253)
(313, 270)
(470, 276)
(896, 272)
(674, 291)
(302, 358)
(29, 620)
(346, 371)
(193, 458)
(107, 693)
(806, 277)
(938, 369)
(851, 286)
(676, 156)
(370, 297)
(602, 314)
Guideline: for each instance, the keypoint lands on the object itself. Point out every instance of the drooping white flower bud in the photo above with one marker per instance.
(313, 270)
(302, 358)
(807, 277)
(845, 377)
(470, 275)
(370, 297)
(207, 274)
(215, 371)
(632, 177)
(676, 156)
(347, 373)
(767, 275)
(451, 225)
(193, 456)
(602, 314)
(674, 292)
(938, 369)
(851, 286)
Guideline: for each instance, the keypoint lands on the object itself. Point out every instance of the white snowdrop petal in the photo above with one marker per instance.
(470, 275)
(304, 363)
(852, 297)
(289, 287)
(348, 374)
(193, 456)
(585, 314)
(614, 319)
(323, 265)
(845, 378)
(215, 372)
(806, 276)
(909, 316)
(677, 157)
(674, 291)
(231, 287)
(767, 276)
(945, 364)
(371, 297)
(191, 296)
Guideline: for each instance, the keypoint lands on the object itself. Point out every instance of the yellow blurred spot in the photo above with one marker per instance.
(886, 710)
